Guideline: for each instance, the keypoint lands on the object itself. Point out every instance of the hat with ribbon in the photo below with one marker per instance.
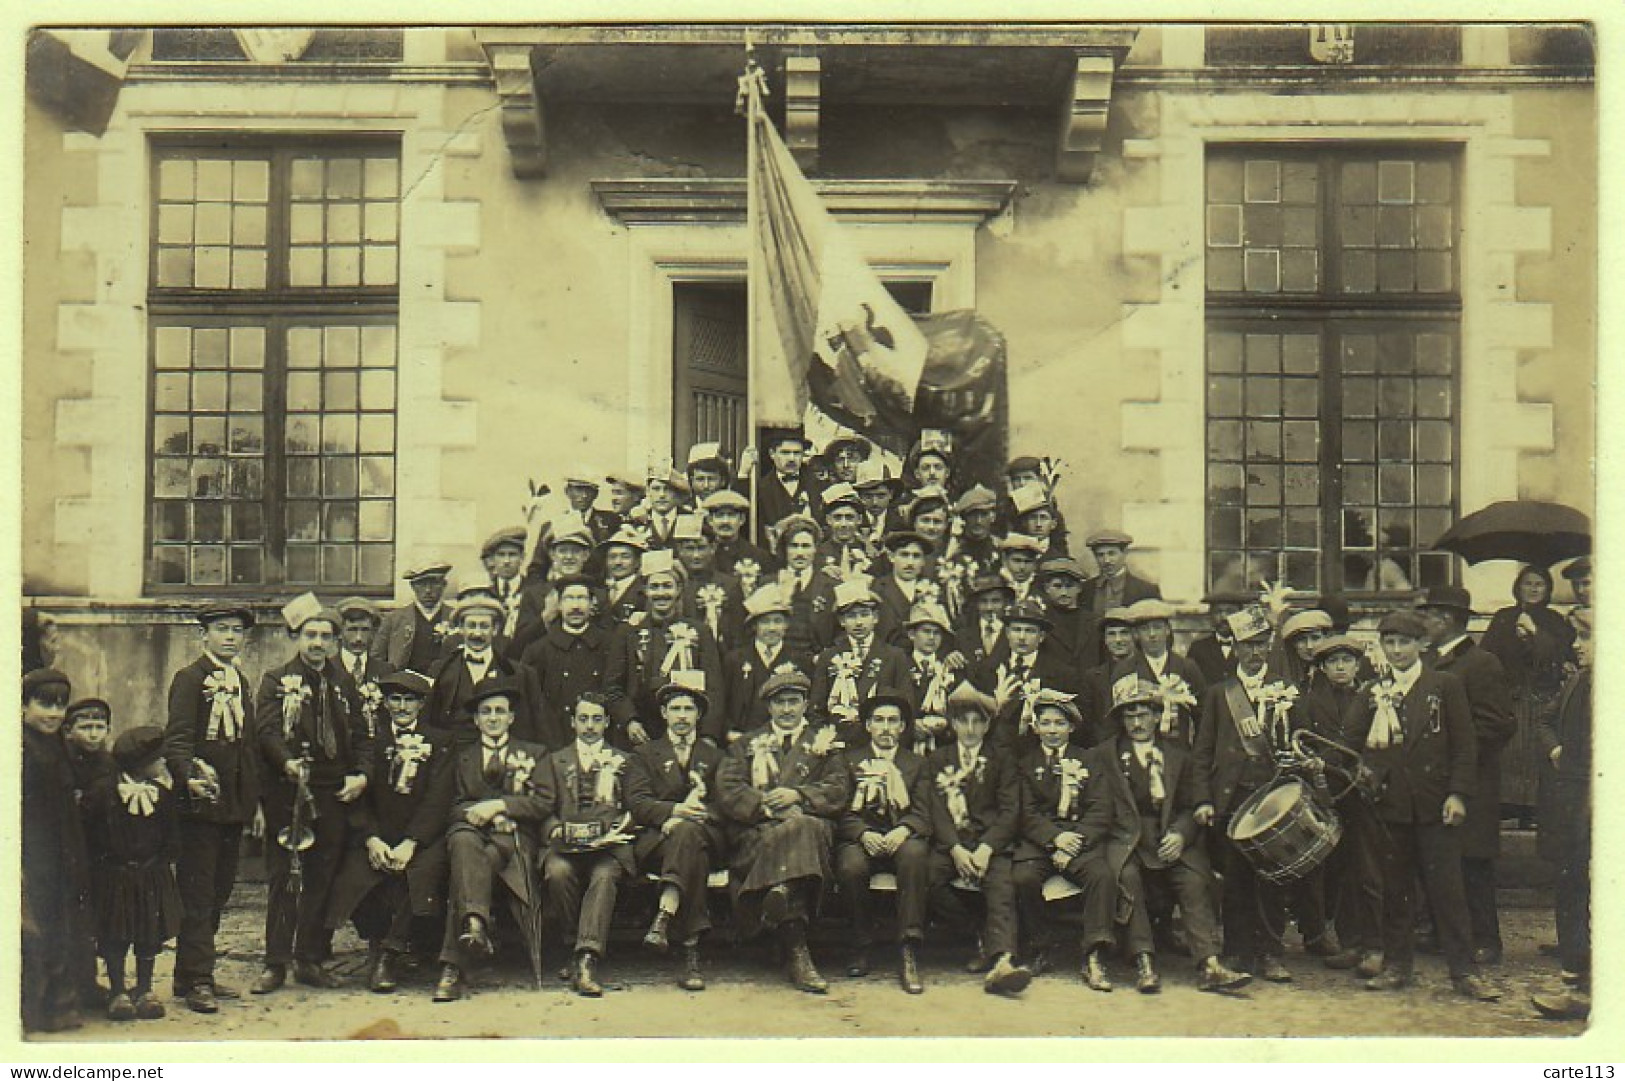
(1049, 698)
(1249, 623)
(304, 608)
(513, 535)
(1026, 463)
(581, 477)
(413, 683)
(1131, 690)
(976, 497)
(139, 747)
(627, 537)
(767, 600)
(928, 615)
(683, 681)
(853, 592)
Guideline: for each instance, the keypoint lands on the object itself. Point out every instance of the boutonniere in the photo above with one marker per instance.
(410, 751)
(371, 698)
(711, 597)
(746, 669)
(823, 742)
(682, 639)
(820, 604)
(879, 779)
(1073, 775)
(951, 783)
(844, 669)
(1435, 711)
(764, 759)
(638, 619)
(520, 765)
(294, 693)
(749, 572)
(441, 629)
(606, 770)
(225, 705)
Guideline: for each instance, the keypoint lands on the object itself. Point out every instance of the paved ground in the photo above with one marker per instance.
(748, 998)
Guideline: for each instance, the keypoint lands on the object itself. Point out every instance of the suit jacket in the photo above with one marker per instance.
(622, 607)
(186, 738)
(1095, 702)
(729, 556)
(774, 502)
(1338, 713)
(1137, 816)
(895, 606)
(821, 778)
(572, 796)
(870, 809)
(1226, 772)
(968, 634)
(523, 798)
(1050, 667)
(637, 651)
(730, 622)
(397, 633)
(567, 666)
(739, 707)
(1437, 757)
(412, 792)
(538, 613)
(1042, 786)
(992, 800)
(1207, 654)
(1569, 727)
(352, 743)
(882, 665)
(1077, 634)
(1135, 588)
(655, 785)
(812, 613)
(452, 685)
(372, 705)
(1176, 665)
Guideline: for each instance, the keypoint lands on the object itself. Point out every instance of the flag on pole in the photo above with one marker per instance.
(824, 330)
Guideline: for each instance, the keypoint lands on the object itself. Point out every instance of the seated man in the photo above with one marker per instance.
(885, 828)
(588, 835)
(395, 867)
(497, 802)
(1055, 837)
(974, 799)
(1149, 783)
(667, 784)
(781, 788)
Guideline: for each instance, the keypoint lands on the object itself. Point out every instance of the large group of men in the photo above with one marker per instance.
(894, 693)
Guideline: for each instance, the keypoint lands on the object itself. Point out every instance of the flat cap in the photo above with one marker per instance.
(211, 613)
(1312, 619)
(1114, 537)
(1132, 690)
(767, 600)
(138, 747)
(1402, 622)
(1578, 569)
(1026, 463)
(684, 681)
(1338, 643)
(1062, 567)
(1118, 616)
(85, 705)
(426, 570)
(1149, 610)
(627, 537)
(977, 497)
(44, 677)
(841, 492)
(478, 601)
(1029, 611)
(351, 605)
(406, 680)
(513, 535)
(990, 583)
(725, 499)
(1021, 542)
(967, 697)
(786, 677)
(570, 528)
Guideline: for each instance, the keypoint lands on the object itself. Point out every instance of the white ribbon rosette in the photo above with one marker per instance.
(749, 572)
(140, 798)
(1173, 692)
(225, 693)
(411, 750)
(843, 691)
(711, 597)
(1073, 775)
(764, 760)
(951, 782)
(606, 769)
(876, 780)
(824, 742)
(518, 765)
(1275, 702)
(294, 693)
(681, 642)
(371, 699)
(1386, 730)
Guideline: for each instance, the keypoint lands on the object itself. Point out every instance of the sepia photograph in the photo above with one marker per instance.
(935, 529)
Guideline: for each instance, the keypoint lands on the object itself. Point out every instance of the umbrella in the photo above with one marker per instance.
(1523, 529)
(525, 901)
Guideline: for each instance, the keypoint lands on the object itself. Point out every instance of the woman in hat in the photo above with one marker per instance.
(810, 593)
(133, 834)
(1534, 644)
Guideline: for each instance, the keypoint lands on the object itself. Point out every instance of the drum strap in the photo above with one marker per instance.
(1246, 721)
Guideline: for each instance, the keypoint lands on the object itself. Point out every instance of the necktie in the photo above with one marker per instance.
(680, 747)
(494, 763)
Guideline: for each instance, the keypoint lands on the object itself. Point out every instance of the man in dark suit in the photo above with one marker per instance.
(310, 731)
(413, 635)
(668, 783)
(572, 658)
(621, 555)
(501, 554)
(1154, 661)
(1423, 750)
(784, 487)
(1151, 785)
(1565, 737)
(475, 659)
(886, 828)
(1114, 586)
(1075, 629)
(856, 664)
(588, 832)
(1445, 610)
(394, 871)
(1095, 688)
(361, 621)
(727, 514)
(974, 798)
(209, 746)
(935, 668)
(980, 630)
(497, 805)
(1213, 653)
(1236, 742)
(569, 547)
(651, 646)
(746, 670)
(902, 587)
(1015, 674)
(709, 595)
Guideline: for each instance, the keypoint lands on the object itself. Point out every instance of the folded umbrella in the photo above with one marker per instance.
(1526, 530)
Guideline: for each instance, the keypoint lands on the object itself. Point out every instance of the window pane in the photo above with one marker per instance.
(341, 347)
(338, 564)
(1433, 441)
(247, 566)
(377, 520)
(1224, 440)
(377, 347)
(1263, 353)
(1226, 483)
(1303, 528)
(302, 564)
(1302, 485)
(1224, 527)
(1359, 397)
(1357, 531)
(377, 477)
(1301, 398)
(169, 521)
(1360, 484)
(339, 434)
(1263, 182)
(1302, 441)
(1263, 485)
(1263, 529)
(304, 391)
(1301, 570)
(1262, 226)
(339, 521)
(247, 522)
(1264, 441)
(170, 435)
(1262, 271)
(339, 390)
(1224, 397)
(247, 479)
(1394, 484)
(303, 476)
(303, 522)
(1263, 397)
(339, 478)
(377, 565)
(208, 522)
(302, 434)
(1224, 352)
(377, 433)
(208, 566)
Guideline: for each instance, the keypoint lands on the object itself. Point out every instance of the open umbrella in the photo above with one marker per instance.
(1523, 529)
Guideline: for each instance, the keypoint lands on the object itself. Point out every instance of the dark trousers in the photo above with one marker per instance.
(1193, 889)
(911, 865)
(684, 860)
(1254, 908)
(1573, 886)
(384, 915)
(476, 857)
(296, 931)
(1433, 851)
(580, 888)
(1306, 899)
(205, 874)
(1354, 877)
(1478, 884)
(1090, 872)
(999, 926)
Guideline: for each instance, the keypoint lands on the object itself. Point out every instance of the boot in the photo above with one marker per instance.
(1147, 982)
(1006, 977)
(381, 976)
(859, 965)
(147, 1006)
(312, 974)
(475, 938)
(1273, 969)
(802, 972)
(271, 978)
(1094, 971)
(1214, 975)
(691, 979)
(656, 939)
(450, 988)
(1344, 959)
(908, 968)
(585, 981)
(1389, 980)
(1562, 1004)
(1370, 964)
(202, 999)
(1475, 987)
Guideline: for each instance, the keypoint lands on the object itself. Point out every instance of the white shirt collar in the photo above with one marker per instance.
(1407, 679)
(1158, 665)
(968, 757)
(229, 665)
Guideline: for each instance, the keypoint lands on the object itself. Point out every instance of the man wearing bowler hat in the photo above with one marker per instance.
(886, 827)
(784, 487)
(1114, 586)
(1015, 675)
(413, 635)
(209, 746)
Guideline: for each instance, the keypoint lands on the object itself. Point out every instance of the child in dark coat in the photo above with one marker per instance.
(134, 838)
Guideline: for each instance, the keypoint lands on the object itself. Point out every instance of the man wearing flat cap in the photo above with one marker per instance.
(1114, 586)
(209, 747)
(856, 663)
(1074, 629)
(569, 548)
(1155, 661)
(501, 554)
(453, 678)
(727, 517)
(710, 595)
(312, 736)
(975, 547)
(497, 805)
(1445, 610)
(781, 788)
(886, 827)
(740, 707)
(670, 782)
(394, 871)
(413, 635)
(361, 619)
(1422, 747)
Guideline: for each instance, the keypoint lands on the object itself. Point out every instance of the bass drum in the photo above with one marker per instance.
(1284, 831)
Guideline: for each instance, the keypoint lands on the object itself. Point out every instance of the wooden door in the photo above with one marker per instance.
(710, 366)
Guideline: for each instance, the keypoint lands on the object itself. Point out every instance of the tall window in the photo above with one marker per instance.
(1333, 304)
(273, 305)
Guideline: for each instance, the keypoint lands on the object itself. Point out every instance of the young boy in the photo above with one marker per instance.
(84, 733)
(209, 746)
(934, 670)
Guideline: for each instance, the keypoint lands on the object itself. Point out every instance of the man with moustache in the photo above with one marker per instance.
(475, 659)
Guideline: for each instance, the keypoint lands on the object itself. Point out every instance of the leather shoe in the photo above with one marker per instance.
(450, 987)
(1487, 955)
(859, 964)
(148, 1008)
(382, 978)
(656, 938)
(1563, 1004)
(1389, 981)
(271, 978)
(908, 969)
(312, 974)
(1039, 963)
(585, 981)
(1476, 988)
(1094, 972)
(803, 973)
(980, 962)
(120, 1008)
(202, 999)
(1006, 977)
(1343, 959)
(224, 991)
(475, 938)
(691, 980)
(1370, 964)
(1214, 975)
(1272, 969)
(1324, 946)
(1146, 981)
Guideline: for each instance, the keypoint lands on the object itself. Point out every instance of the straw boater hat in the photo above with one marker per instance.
(707, 454)
(1118, 617)
(841, 492)
(1021, 542)
(304, 608)
(1149, 610)
(570, 529)
(874, 473)
(491, 687)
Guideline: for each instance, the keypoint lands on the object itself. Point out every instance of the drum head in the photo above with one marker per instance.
(1266, 812)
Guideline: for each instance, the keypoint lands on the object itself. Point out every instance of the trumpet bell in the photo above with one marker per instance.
(285, 837)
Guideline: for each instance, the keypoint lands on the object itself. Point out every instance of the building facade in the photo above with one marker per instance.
(304, 308)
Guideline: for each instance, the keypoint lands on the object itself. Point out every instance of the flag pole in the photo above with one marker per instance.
(750, 100)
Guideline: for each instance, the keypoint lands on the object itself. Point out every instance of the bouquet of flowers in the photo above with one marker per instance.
(1073, 775)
